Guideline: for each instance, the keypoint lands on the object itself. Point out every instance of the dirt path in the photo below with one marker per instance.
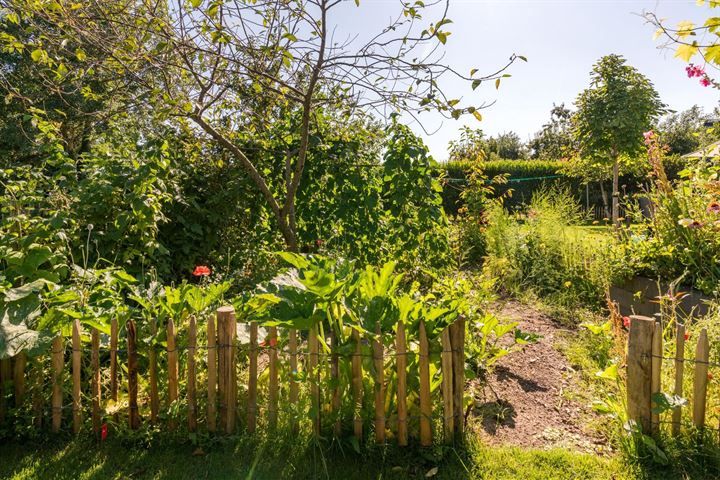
(531, 408)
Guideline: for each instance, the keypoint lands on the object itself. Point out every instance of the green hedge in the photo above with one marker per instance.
(524, 178)
(527, 176)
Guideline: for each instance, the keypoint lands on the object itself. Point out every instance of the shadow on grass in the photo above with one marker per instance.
(286, 456)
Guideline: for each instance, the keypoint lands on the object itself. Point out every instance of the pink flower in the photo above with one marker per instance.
(694, 71)
(705, 82)
(626, 322)
(713, 207)
(103, 431)
(649, 135)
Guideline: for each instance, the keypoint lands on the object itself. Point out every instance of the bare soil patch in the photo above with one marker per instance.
(524, 402)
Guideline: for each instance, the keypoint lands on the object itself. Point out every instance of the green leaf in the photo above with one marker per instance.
(476, 83)
(38, 55)
(610, 373)
(477, 115)
(497, 84)
(195, 3)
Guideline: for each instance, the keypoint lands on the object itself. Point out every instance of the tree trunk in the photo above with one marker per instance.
(603, 195)
(616, 192)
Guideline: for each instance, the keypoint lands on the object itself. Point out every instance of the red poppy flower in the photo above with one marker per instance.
(687, 337)
(626, 322)
(201, 271)
(103, 431)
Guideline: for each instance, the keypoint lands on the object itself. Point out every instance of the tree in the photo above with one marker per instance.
(686, 131)
(555, 140)
(471, 145)
(612, 115)
(507, 146)
(237, 67)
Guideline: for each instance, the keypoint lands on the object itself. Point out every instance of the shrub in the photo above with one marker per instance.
(681, 241)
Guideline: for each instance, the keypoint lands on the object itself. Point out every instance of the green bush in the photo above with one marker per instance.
(682, 239)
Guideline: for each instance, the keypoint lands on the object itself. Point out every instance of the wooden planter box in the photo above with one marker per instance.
(638, 296)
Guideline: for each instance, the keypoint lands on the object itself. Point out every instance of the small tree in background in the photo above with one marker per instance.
(612, 115)
(555, 141)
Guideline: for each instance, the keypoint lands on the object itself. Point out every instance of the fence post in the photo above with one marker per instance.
(113, 362)
(95, 361)
(457, 339)
(401, 361)
(292, 347)
(639, 370)
(5, 380)
(357, 387)
(58, 354)
(231, 382)
(172, 366)
(447, 385)
(335, 373)
(152, 360)
(134, 416)
(19, 377)
(379, 385)
(76, 370)
(701, 378)
(212, 374)
(679, 375)
(656, 387)
(191, 400)
(273, 381)
(252, 381)
(314, 379)
(425, 405)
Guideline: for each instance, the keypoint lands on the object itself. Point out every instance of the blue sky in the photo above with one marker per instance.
(561, 40)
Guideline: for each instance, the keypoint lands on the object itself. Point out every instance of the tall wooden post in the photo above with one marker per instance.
(172, 366)
(401, 362)
(657, 351)
(639, 370)
(273, 387)
(379, 385)
(447, 385)
(19, 377)
(292, 347)
(191, 400)
(252, 381)
(425, 405)
(457, 339)
(212, 375)
(335, 374)
(679, 375)
(152, 360)
(58, 354)
(76, 371)
(113, 362)
(702, 354)
(314, 372)
(134, 412)
(231, 372)
(357, 387)
(95, 387)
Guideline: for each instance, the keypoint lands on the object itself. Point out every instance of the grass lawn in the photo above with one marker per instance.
(85, 459)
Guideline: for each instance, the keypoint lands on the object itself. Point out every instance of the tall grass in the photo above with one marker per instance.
(543, 250)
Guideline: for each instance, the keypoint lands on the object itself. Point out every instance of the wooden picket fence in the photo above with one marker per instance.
(222, 379)
(644, 374)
